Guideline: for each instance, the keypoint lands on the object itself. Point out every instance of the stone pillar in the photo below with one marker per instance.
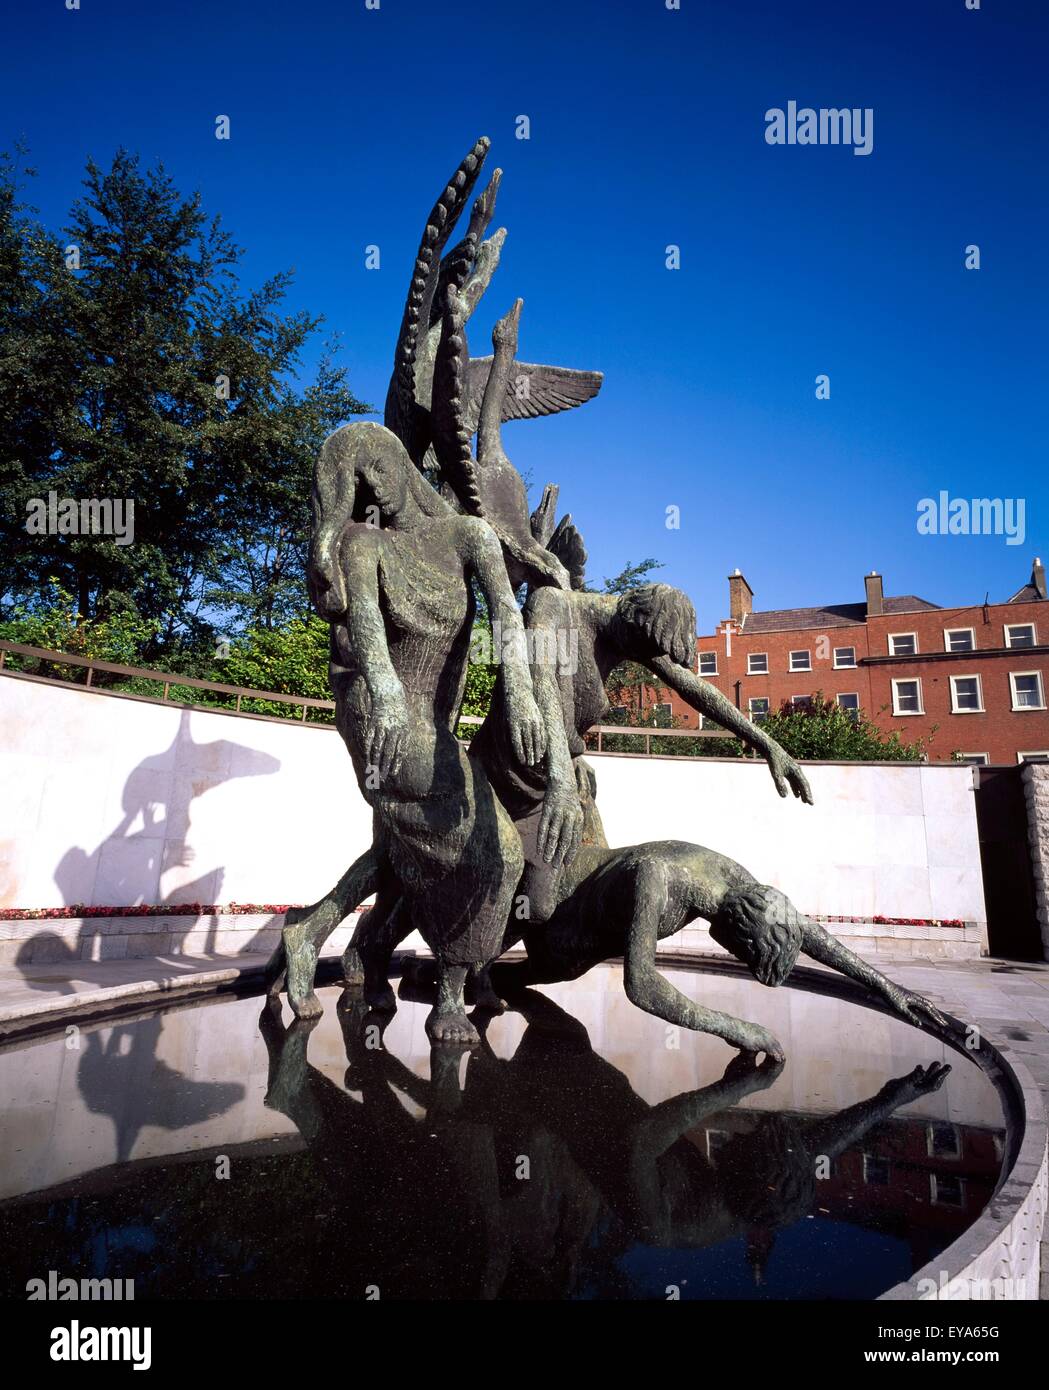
(1036, 791)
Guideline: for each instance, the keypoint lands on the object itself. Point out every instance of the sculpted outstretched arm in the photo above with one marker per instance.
(821, 946)
(708, 700)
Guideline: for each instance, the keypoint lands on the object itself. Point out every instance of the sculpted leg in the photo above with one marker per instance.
(305, 930)
(376, 946)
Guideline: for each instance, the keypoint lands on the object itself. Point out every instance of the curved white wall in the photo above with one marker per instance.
(116, 802)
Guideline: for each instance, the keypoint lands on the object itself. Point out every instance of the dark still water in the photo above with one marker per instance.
(586, 1151)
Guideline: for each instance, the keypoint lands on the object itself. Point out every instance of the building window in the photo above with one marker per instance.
(903, 644)
(759, 708)
(801, 661)
(716, 1141)
(972, 759)
(907, 697)
(664, 714)
(705, 722)
(1019, 635)
(844, 657)
(946, 1190)
(850, 702)
(875, 1170)
(1042, 757)
(966, 695)
(1027, 690)
(801, 701)
(959, 639)
(758, 664)
(708, 663)
(942, 1140)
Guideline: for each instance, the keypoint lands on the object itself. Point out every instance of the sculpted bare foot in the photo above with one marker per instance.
(484, 995)
(451, 1028)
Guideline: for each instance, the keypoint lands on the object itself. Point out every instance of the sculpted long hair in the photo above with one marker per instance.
(663, 618)
(763, 929)
(335, 499)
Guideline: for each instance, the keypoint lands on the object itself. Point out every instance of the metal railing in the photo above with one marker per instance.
(240, 693)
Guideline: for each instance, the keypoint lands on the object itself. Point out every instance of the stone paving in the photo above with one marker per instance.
(1009, 1000)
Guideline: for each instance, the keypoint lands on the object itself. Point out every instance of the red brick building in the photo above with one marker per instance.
(973, 680)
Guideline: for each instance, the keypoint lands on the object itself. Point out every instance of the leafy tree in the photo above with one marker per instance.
(133, 366)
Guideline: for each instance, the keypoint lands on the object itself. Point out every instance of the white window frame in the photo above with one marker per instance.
(1034, 753)
(806, 652)
(751, 669)
(1008, 627)
(934, 1190)
(801, 699)
(980, 708)
(892, 636)
(964, 759)
(1023, 709)
(699, 664)
(667, 705)
(844, 665)
(949, 632)
(853, 694)
(750, 707)
(907, 713)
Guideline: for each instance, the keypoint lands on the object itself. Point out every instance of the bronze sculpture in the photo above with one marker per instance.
(459, 838)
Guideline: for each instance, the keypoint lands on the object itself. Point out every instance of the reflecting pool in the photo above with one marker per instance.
(585, 1151)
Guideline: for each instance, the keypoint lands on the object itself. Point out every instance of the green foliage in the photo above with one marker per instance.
(825, 730)
(292, 660)
(113, 385)
(116, 633)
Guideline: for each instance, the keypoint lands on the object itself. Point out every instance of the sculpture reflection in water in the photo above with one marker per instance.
(598, 1156)
(479, 851)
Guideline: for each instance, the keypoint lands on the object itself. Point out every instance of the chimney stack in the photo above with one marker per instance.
(740, 598)
(875, 596)
(1038, 577)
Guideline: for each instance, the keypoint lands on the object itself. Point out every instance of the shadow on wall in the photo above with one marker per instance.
(150, 840)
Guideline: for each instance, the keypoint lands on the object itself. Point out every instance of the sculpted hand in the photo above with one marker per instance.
(386, 735)
(922, 1081)
(560, 826)
(751, 1037)
(526, 728)
(787, 775)
(913, 1007)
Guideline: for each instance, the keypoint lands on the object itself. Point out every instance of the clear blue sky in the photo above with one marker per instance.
(647, 128)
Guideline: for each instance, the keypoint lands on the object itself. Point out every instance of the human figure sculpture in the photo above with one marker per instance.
(622, 902)
(399, 599)
(457, 837)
